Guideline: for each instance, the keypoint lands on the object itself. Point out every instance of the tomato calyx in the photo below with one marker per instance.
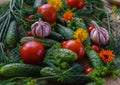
(88, 70)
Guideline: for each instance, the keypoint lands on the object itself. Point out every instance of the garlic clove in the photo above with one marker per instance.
(33, 30)
(95, 36)
(105, 34)
(38, 31)
(46, 29)
(102, 39)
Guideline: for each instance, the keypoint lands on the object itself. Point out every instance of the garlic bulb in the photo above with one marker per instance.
(99, 35)
(40, 28)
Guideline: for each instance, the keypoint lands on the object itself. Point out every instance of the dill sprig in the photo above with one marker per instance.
(3, 56)
(11, 12)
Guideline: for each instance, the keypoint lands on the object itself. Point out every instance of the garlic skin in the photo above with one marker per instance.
(40, 29)
(99, 35)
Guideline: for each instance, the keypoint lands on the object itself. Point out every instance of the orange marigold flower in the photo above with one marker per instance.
(68, 16)
(106, 55)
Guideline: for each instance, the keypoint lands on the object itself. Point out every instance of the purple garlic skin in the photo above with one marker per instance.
(41, 29)
(99, 35)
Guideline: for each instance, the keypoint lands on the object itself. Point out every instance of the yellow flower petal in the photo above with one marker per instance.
(80, 34)
(57, 4)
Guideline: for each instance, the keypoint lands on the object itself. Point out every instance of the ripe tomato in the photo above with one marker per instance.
(29, 18)
(32, 52)
(90, 29)
(29, 33)
(48, 12)
(75, 46)
(79, 4)
(96, 48)
(88, 70)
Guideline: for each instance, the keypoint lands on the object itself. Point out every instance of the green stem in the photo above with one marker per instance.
(7, 26)
(49, 77)
(3, 28)
(108, 18)
(12, 79)
(3, 58)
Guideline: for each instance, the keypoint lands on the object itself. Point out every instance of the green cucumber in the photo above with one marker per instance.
(48, 71)
(12, 35)
(81, 24)
(60, 53)
(65, 32)
(1, 65)
(65, 54)
(19, 69)
(55, 36)
(46, 42)
(93, 57)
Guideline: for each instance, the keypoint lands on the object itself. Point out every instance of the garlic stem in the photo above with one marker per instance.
(95, 25)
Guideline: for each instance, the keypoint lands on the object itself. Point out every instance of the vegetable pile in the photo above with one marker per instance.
(54, 42)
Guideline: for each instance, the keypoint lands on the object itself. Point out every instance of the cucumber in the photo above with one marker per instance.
(65, 54)
(81, 24)
(55, 36)
(1, 65)
(93, 57)
(60, 53)
(48, 71)
(65, 32)
(19, 69)
(12, 35)
(46, 42)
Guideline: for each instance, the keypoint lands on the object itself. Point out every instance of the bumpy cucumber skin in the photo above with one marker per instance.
(65, 32)
(19, 69)
(65, 54)
(12, 35)
(46, 42)
(48, 71)
(62, 54)
(56, 36)
(94, 58)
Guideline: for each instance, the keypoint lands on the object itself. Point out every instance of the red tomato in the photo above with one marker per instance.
(32, 52)
(29, 33)
(90, 29)
(29, 18)
(88, 70)
(48, 12)
(96, 48)
(79, 4)
(75, 46)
